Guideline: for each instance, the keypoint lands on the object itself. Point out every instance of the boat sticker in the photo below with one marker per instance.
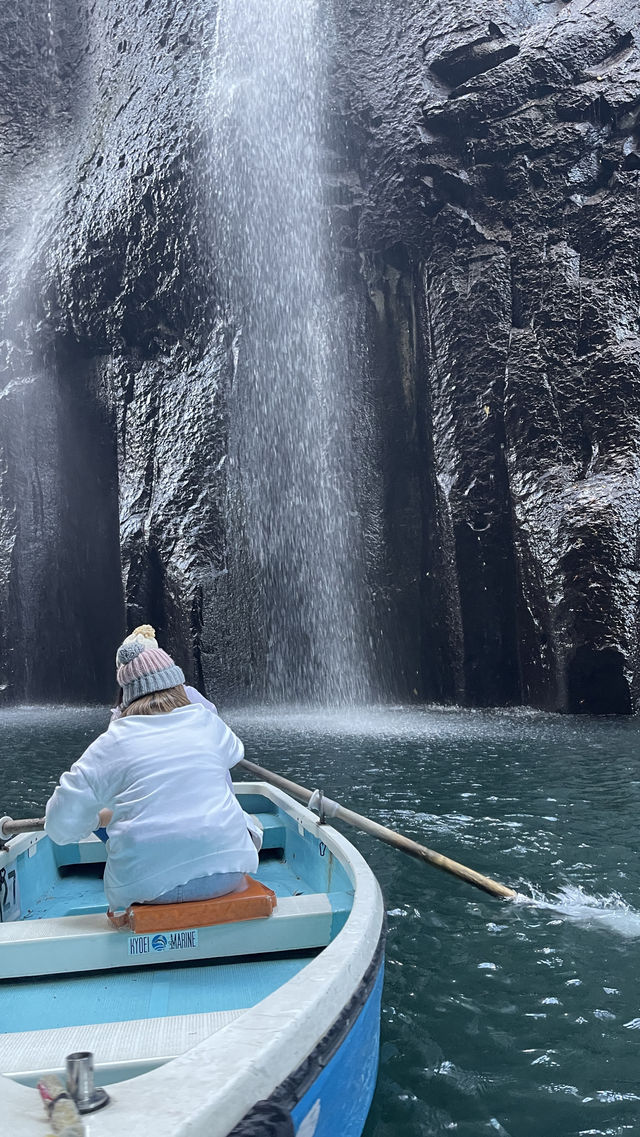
(309, 1124)
(9, 894)
(163, 941)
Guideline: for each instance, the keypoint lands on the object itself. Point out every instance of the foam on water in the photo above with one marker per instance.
(395, 721)
(611, 913)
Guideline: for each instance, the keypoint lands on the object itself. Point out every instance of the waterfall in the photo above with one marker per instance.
(292, 513)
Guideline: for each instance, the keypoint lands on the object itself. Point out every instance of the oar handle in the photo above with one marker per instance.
(11, 828)
(389, 836)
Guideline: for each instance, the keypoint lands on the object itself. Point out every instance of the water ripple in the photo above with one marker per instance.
(498, 1017)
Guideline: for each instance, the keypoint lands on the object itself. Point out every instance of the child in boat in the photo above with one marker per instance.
(159, 779)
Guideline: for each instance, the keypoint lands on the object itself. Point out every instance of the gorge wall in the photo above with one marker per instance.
(498, 209)
(482, 165)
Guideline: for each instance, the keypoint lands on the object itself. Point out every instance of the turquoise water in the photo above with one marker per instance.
(498, 1017)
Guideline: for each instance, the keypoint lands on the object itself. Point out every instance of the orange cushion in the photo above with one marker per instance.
(256, 902)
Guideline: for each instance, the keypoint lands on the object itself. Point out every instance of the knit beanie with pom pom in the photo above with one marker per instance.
(143, 667)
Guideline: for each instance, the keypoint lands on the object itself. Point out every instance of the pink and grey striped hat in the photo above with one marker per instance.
(143, 667)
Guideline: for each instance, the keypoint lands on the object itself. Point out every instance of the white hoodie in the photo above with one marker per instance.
(175, 817)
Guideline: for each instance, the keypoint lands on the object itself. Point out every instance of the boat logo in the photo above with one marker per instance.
(163, 941)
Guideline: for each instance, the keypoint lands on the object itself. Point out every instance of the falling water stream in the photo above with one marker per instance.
(291, 507)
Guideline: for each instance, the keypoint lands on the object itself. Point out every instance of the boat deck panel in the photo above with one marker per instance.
(74, 894)
(144, 993)
(114, 1044)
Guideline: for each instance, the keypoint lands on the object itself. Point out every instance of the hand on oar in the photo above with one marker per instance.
(389, 836)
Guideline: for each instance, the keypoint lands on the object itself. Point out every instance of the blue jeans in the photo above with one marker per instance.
(203, 888)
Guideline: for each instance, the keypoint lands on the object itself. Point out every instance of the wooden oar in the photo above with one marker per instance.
(330, 808)
(397, 840)
(11, 828)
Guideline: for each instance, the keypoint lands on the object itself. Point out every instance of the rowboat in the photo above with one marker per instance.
(257, 1025)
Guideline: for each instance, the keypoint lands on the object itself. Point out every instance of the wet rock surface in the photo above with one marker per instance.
(485, 161)
(500, 166)
(105, 261)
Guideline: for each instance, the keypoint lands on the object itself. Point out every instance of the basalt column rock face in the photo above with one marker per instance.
(491, 162)
(483, 160)
(60, 592)
(112, 349)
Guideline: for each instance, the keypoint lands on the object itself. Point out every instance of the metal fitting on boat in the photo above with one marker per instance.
(4, 836)
(80, 1082)
(323, 806)
(10, 828)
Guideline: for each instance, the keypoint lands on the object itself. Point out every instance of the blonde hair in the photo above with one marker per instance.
(158, 702)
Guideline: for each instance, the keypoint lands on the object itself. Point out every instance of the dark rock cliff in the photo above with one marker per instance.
(495, 150)
(106, 303)
(485, 161)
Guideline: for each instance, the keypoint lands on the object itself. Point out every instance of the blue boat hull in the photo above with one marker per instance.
(331, 1093)
(345, 1087)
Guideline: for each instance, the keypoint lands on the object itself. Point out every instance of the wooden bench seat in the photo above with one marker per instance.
(63, 945)
(91, 850)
